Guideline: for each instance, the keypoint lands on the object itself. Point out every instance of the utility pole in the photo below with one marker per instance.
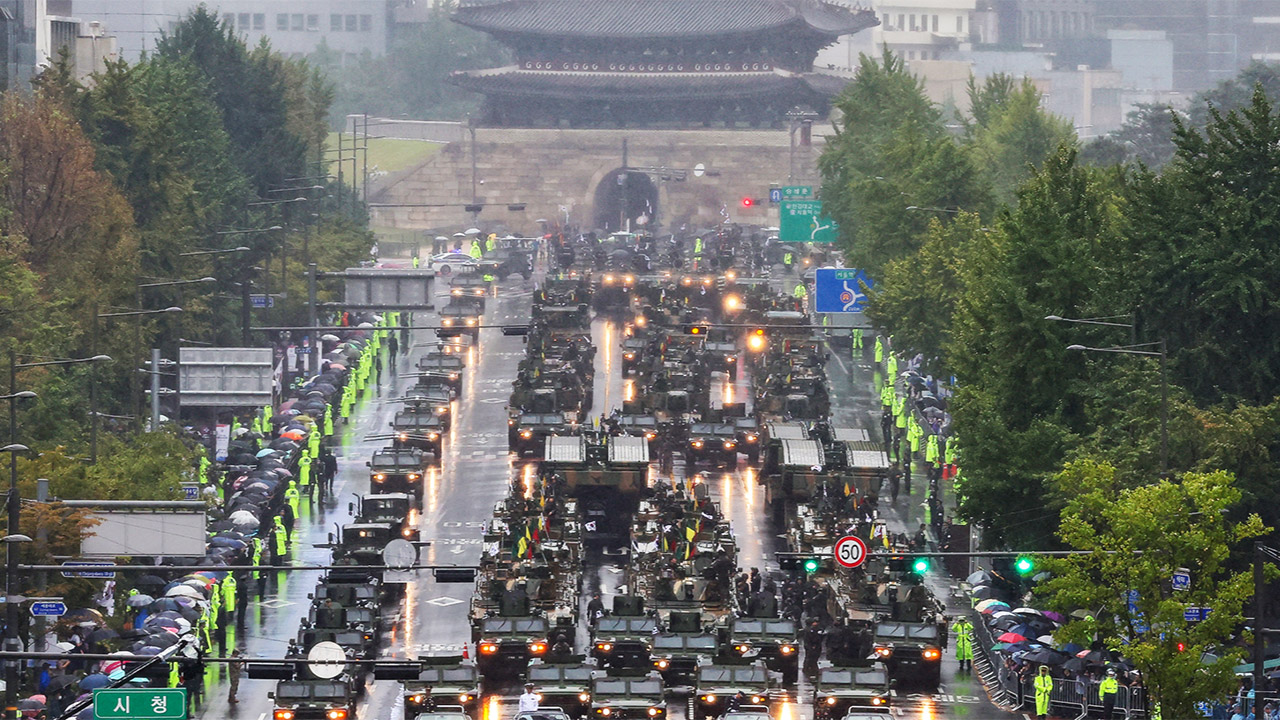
(312, 360)
(155, 389)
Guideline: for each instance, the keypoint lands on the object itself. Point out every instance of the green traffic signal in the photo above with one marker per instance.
(920, 566)
(811, 565)
(1024, 565)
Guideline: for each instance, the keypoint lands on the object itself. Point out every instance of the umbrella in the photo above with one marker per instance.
(471, 231)
(1091, 656)
(64, 646)
(1056, 617)
(148, 650)
(1071, 648)
(1075, 665)
(103, 634)
(1027, 611)
(163, 639)
(182, 590)
(94, 681)
(149, 581)
(140, 600)
(1045, 656)
(264, 452)
(992, 603)
(984, 592)
(999, 647)
(1010, 638)
(334, 338)
(982, 577)
(1046, 639)
(164, 604)
(30, 705)
(1082, 614)
(1024, 630)
(84, 615)
(58, 682)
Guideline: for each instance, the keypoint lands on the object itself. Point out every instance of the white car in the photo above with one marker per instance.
(448, 263)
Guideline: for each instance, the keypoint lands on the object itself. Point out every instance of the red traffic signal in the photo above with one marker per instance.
(748, 202)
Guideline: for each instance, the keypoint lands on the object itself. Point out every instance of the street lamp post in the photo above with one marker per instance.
(1137, 349)
(11, 617)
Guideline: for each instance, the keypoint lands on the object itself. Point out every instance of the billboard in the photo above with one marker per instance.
(387, 288)
(172, 533)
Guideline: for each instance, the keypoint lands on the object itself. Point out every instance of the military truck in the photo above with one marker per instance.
(505, 645)
(563, 685)
(362, 543)
(633, 355)
(717, 686)
(677, 656)
(472, 289)
(411, 430)
(911, 652)
(397, 470)
(623, 642)
(441, 368)
(776, 641)
(395, 508)
(444, 681)
(314, 700)
(459, 319)
(527, 432)
(606, 474)
(716, 443)
(358, 643)
(628, 698)
(841, 690)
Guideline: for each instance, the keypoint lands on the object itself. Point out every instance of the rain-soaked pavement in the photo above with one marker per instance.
(459, 496)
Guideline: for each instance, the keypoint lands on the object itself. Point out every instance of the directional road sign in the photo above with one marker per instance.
(261, 301)
(85, 570)
(796, 192)
(803, 221)
(1181, 579)
(775, 195)
(840, 290)
(153, 703)
(48, 608)
(850, 551)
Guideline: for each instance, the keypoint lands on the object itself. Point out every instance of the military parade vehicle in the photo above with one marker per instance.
(840, 690)
(910, 652)
(722, 687)
(628, 697)
(394, 508)
(563, 685)
(527, 432)
(445, 681)
(624, 641)
(716, 443)
(314, 700)
(776, 641)
(677, 656)
(417, 431)
(505, 645)
(441, 369)
(459, 319)
(398, 470)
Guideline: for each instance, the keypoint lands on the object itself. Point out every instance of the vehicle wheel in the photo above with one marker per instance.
(443, 270)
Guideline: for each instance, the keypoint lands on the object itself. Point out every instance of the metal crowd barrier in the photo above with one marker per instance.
(1069, 697)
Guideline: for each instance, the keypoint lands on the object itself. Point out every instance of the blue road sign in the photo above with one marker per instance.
(839, 290)
(85, 570)
(775, 195)
(48, 608)
(1181, 579)
(262, 301)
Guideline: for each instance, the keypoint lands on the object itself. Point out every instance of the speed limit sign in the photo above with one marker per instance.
(850, 551)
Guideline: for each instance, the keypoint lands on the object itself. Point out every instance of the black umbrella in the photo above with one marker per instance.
(103, 634)
(58, 683)
(1045, 656)
(151, 581)
(985, 592)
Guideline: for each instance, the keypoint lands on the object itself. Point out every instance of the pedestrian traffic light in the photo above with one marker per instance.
(920, 565)
(1024, 565)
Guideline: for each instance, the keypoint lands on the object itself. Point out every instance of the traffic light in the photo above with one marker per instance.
(1024, 565)
(796, 562)
(811, 565)
(756, 340)
(920, 566)
(1182, 647)
(694, 329)
(750, 202)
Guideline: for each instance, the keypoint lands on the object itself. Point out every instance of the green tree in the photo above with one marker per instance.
(1135, 539)
(1016, 135)
(988, 100)
(1237, 93)
(1018, 407)
(1201, 255)
(916, 295)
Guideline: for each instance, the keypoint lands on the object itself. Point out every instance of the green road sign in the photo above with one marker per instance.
(803, 221)
(790, 192)
(152, 703)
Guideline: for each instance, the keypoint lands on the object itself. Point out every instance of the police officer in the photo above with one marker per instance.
(1044, 686)
(281, 547)
(964, 642)
(1107, 691)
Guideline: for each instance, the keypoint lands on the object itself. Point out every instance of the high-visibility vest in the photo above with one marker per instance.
(291, 497)
(893, 366)
(313, 442)
(879, 350)
(281, 541)
(415, 261)
(304, 470)
(800, 291)
(229, 592)
(328, 420)
(931, 449)
(1109, 686)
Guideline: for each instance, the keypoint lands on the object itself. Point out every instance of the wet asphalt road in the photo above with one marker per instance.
(459, 496)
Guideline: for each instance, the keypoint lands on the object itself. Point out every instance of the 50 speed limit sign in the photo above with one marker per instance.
(850, 551)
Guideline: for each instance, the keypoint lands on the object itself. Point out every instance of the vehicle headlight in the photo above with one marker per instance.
(650, 435)
(464, 697)
(488, 648)
(413, 476)
(442, 410)
(608, 279)
(471, 322)
(605, 711)
(729, 444)
(731, 359)
(741, 648)
(336, 714)
(709, 697)
(415, 699)
(697, 444)
(883, 651)
(402, 437)
(877, 701)
(757, 699)
(604, 646)
(447, 322)
(931, 653)
(379, 476)
(282, 714)
(751, 437)
(662, 664)
(526, 434)
(407, 532)
(584, 697)
(537, 648)
(787, 649)
(629, 356)
(433, 436)
(456, 292)
(453, 376)
(654, 711)
(831, 701)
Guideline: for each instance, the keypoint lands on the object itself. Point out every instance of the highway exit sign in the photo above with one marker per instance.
(134, 704)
